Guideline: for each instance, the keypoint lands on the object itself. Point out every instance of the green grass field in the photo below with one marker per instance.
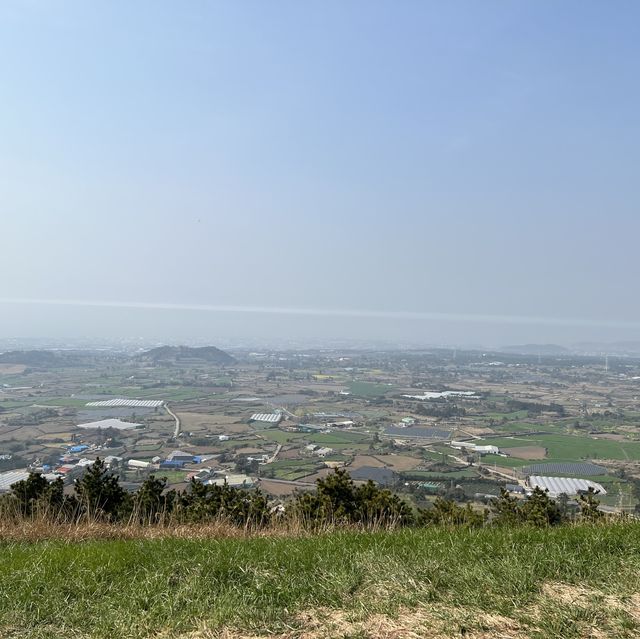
(293, 469)
(570, 447)
(279, 436)
(549, 584)
(172, 476)
(67, 402)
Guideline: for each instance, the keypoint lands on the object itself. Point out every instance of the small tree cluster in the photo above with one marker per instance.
(338, 500)
(446, 512)
(542, 511)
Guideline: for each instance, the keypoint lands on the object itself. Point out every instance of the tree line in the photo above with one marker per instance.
(337, 500)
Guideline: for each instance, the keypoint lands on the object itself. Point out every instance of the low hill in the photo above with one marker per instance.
(433, 583)
(52, 359)
(187, 354)
(38, 359)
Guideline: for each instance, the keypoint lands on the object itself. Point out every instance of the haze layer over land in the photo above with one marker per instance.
(428, 172)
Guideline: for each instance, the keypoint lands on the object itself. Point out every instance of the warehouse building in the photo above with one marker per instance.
(475, 448)
(180, 456)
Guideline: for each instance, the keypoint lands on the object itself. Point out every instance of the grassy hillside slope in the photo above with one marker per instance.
(433, 582)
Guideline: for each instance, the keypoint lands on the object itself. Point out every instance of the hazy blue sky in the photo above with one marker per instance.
(464, 158)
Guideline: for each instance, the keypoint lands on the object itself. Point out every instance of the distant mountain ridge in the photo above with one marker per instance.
(535, 349)
(168, 354)
(31, 358)
(612, 348)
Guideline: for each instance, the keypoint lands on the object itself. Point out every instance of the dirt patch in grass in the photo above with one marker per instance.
(66, 435)
(526, 452)
(12, 369)
(321, 474)
(399, 463)
(366, 460)
(436, 622)
(290, 453)
(277, 489)
(614, 436)
(582, 597)
(582, 611)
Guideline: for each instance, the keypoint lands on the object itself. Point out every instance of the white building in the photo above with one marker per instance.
(136, 463)
(233, 480)
(180, 456)
(475, 448)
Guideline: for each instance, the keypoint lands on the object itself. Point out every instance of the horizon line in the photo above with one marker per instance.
(482, 318)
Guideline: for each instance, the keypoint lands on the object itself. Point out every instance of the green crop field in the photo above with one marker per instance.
(369, 389)
(280, 436)
(172, 476)
(294, 474)
(67, 402)
(337, 438)
(294, 468)
(565, 583)
(427, 474)
(515, 427)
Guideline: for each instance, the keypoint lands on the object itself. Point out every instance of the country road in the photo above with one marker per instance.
(176, 430)
(275, 455)
(289, 482)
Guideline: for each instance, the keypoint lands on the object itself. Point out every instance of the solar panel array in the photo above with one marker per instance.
(565, 468)
(127, 403)
(272, 418)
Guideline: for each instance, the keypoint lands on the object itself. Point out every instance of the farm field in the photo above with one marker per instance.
(41, 408)
(369, 389)
(568, 447)
(427, 474)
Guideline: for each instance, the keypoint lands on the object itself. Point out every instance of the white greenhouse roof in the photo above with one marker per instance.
(110, 423)
(272, 418)
(127, 403)
(11, 477)
(567, 485)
